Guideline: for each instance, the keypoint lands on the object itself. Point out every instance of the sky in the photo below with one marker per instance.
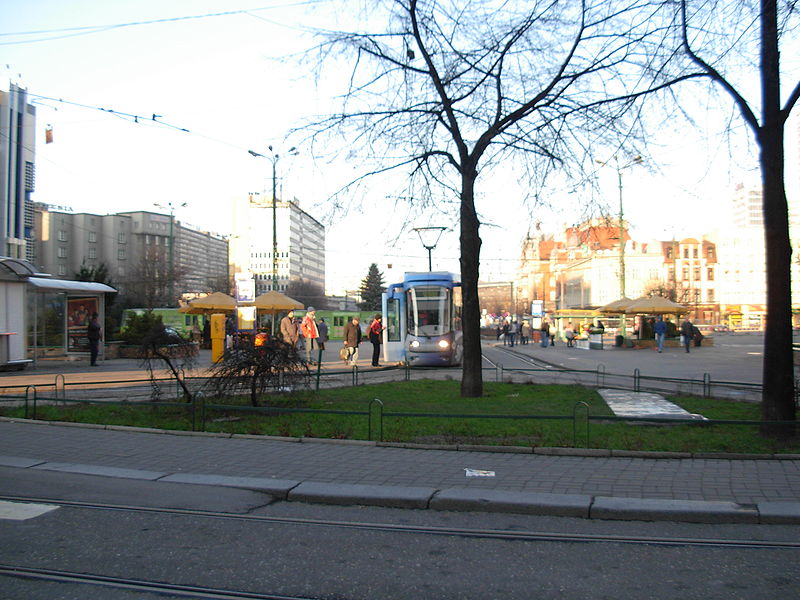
(221, 85)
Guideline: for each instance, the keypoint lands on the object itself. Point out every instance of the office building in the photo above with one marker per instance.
(146, 254)
(300, 243)
(17, 173)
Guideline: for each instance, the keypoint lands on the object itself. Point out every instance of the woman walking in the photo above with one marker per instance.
(375, 330)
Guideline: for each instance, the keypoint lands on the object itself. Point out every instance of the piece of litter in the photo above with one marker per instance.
(478, 473)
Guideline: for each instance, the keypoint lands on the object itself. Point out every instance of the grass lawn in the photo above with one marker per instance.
(448, 418)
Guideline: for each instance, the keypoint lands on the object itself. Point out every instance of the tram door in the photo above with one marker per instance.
(393, 343)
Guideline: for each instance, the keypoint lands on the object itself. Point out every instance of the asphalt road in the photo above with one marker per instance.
(292, 550)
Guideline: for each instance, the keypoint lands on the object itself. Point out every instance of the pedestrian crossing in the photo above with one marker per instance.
(22, 511)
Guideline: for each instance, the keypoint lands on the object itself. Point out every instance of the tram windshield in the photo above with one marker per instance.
(429, 310)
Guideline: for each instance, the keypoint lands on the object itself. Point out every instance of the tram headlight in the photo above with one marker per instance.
(443, 344)
(414, 344)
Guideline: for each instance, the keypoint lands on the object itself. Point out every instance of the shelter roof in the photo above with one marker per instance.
(66, 285)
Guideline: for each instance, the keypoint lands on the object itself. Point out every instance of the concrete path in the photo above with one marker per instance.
(644, 404)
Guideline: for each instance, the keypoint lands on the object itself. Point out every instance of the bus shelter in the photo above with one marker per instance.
(41, 316)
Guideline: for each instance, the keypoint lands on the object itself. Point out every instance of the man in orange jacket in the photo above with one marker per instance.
(310, 332)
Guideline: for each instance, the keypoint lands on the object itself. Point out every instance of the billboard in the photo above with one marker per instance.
(79, 311)
(537, 308)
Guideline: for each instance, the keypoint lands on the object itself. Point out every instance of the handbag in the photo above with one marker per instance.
(343, 353)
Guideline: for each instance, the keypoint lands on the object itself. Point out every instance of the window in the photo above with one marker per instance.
(62, 252)
(697, 273)
(697, 296)
(92, 236)
(710, 253)
(62, 235)
(121, 237)
(685, 253)
(710, 295)
(121, 254)
(710, 274)
(694, 252)
(92, 252)
(62, 270)
(686, 273)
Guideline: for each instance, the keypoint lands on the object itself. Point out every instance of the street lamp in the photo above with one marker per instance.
(273, 157)
(636, 160)
(171, 209)
(429, 236)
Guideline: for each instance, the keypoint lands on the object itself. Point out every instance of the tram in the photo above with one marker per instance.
(422, 316)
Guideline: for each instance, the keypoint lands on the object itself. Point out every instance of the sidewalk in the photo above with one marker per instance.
(598, 484)
(563, 482)
(736, 358)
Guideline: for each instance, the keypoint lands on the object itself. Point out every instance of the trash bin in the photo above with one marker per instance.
(619, 340)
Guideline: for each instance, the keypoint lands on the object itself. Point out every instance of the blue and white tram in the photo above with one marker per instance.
(422, 316)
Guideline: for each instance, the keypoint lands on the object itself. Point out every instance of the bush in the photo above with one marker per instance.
(139, 327)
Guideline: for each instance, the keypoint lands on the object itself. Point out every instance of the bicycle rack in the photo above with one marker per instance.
(379, 404)
(30, 387)
(575, 423)
(601, 375)
(60, 377)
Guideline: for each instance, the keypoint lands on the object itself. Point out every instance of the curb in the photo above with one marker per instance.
(456, 499)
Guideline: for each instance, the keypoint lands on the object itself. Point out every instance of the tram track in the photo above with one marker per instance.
(460, 532)
(137, 585)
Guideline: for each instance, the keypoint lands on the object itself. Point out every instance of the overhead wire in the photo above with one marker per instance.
(91, 29)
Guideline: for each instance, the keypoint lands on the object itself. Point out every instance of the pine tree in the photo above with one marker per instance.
(372, 286)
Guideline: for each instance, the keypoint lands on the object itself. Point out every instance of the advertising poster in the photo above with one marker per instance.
(79, 311)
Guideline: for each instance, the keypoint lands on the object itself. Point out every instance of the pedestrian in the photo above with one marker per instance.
(687, 332)
(206, 333)
(525, 333)
(289, 329)
(660, 329)
(545, 330)
(506, 328)
(569, 334)
(352, 338)
(513, 330)
(310, 332)
(322, 326)
(375, 330)
(94, 332)
(697, 336)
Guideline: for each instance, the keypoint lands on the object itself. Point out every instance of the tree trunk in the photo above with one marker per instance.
(472, 376)
(777, 402)
(778, 370)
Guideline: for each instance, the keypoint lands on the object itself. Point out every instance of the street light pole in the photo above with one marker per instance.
(273, 157)
(621, 227)
(171, 209)
(429, 236)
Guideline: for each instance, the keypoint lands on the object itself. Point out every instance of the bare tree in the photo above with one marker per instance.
(161, 345)
(151, 279)
(273, 367)
(451, 88)
(763, 25)
(307, 292)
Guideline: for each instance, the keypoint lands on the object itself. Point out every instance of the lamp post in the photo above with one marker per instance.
(273, 157)
(171, 208)
(621, 226)
(429, 236)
